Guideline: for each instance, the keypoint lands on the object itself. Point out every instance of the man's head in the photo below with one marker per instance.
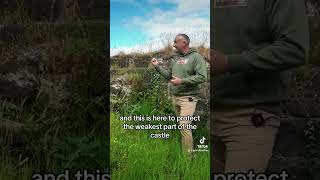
(181, 43)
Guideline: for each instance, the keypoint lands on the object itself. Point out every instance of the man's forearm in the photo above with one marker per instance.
(165, 73)
(196, 79)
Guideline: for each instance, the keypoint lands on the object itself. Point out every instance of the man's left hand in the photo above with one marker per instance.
(175, 81)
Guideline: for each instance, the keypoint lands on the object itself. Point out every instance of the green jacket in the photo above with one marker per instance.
(190, 68)
(262, 39)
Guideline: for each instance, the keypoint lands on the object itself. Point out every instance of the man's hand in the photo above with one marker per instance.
(175, 81)
(219, 62)
(154, 61)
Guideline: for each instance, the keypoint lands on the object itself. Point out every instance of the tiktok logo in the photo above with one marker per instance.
(202, 140)
(202, 146)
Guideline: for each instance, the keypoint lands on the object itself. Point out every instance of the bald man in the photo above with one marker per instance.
(187, 69)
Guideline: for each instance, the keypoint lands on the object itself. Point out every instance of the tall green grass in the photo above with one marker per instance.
(12, 171)
(134, 155)
(76, 139)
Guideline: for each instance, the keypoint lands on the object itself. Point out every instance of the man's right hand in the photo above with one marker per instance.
(154, 61)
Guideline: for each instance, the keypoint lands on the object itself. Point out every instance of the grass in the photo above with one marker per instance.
(134, 155)
(11, 171)
(55, 142)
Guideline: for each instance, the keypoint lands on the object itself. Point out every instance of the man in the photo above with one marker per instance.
(255, 43)
(187, 70)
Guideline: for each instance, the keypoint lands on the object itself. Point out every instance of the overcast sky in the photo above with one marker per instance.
(137, 25)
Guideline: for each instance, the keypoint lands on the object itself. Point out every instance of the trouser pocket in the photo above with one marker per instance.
(264, 117)
(185, 105)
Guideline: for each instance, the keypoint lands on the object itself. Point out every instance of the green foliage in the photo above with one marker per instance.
(146, 99)
(12, 171)
(135, 156)
(80, 152)
(83, 143)
(19, 16)
(134, 77)
(51, 141)
(81, 47)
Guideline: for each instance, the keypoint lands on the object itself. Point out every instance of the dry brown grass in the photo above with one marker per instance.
(204, 51)
(167, 50)
(164, 53)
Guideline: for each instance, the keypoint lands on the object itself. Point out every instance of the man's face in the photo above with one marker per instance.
(179, 43)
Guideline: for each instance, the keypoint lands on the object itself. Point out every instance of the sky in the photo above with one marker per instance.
(143, 25)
